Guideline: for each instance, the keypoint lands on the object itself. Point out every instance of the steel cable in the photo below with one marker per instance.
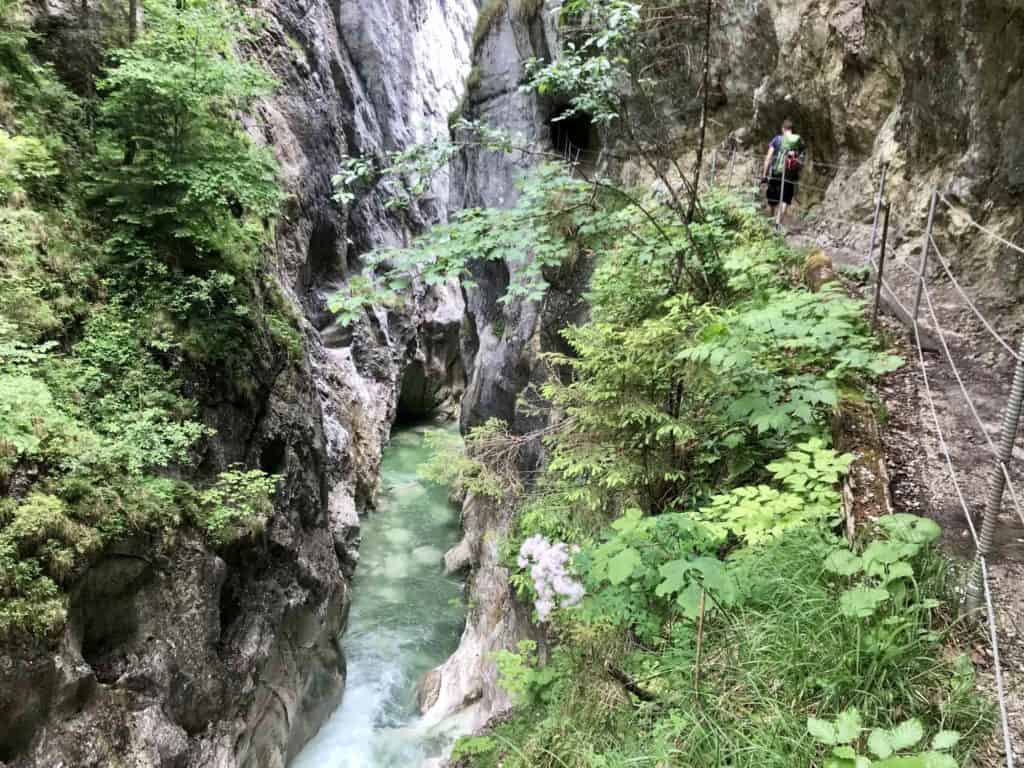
(1000, 692)
(970, 402)
(970, 303)
(943, 444)
(963, 214)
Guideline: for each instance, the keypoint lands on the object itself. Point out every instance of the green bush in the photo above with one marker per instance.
(129, 255)
(237, 505)
(174, 170)
(691, 471)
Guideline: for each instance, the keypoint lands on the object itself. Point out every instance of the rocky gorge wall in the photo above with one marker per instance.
(933, 89)
(181, 656)
(178, 656)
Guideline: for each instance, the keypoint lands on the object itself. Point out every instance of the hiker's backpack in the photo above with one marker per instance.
(790, 157)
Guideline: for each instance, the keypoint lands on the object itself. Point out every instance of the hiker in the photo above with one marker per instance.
(781, 171)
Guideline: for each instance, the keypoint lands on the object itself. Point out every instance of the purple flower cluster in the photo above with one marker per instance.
(547, 562)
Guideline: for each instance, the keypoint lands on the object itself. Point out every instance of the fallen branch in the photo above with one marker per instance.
(628, 683)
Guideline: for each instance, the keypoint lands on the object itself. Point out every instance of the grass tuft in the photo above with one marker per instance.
(786, 654)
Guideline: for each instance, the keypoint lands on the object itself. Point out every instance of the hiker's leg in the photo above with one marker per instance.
(773, 196)
(788, 191)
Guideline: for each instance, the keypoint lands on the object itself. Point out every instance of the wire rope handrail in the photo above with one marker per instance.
(974, 308)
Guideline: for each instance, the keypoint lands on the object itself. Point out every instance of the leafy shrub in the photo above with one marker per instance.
(30, 424)
(843, 733)
(692, 469)
(174, 169)
(128, 248)
(237, 505)
(782, 653)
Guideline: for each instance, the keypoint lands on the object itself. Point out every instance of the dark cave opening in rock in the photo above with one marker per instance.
(417, 398)
(273, 456)
(573, 136)
(323, 257)
(110, 612)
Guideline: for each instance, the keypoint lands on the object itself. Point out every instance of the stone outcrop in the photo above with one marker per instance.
(933, 90)
(175, 655)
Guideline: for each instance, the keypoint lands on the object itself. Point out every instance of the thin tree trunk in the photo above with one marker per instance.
(705, 87)
(133, 20)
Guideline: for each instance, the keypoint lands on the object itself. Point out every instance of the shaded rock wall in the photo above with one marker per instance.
(502, 347)
(178, 656)
(933, 89)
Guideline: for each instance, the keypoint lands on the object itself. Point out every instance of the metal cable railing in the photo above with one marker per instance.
(990, 611)
(1001, 455)
(1001, 478)
(974, 307)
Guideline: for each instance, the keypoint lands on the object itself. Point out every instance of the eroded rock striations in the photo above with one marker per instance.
(175, 655)
(502, 347)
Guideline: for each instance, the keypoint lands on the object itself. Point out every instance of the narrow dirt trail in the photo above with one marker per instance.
(920, 479)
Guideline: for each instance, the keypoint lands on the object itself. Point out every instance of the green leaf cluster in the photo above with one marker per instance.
(884, 572)
(174, 171)
(237, 505)
(693, 470)
(132, 225)
(845, 732)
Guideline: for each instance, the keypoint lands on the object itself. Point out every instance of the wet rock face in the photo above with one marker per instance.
(178, 656)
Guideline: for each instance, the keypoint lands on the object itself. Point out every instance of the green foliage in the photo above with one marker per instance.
(470, 747)
(128, 243)
(113, 384)
(29, 600)
(844, 733)
(756, 514)
(237, 505)
(30, 426)
(23, 160)
(530, 236)
(592, 73)
(693, 472)
(652, 568)
(782, 653)
(520, 675)
(175, 173)
(482, 464)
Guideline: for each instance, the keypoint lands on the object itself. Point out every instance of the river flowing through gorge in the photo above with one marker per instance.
(406, 618)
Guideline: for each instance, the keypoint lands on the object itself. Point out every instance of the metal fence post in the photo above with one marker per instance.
(975, 592)
(732, 160)
(714, 167)
(878, 208)
(881, 263)
(924, 256)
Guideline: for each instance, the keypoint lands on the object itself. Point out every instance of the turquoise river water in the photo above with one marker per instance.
(406, 618)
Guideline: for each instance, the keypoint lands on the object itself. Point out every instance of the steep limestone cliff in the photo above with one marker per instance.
(934, 90)
(502, 347)
(175, 655)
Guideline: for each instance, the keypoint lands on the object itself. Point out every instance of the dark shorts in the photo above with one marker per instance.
(775, 187)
